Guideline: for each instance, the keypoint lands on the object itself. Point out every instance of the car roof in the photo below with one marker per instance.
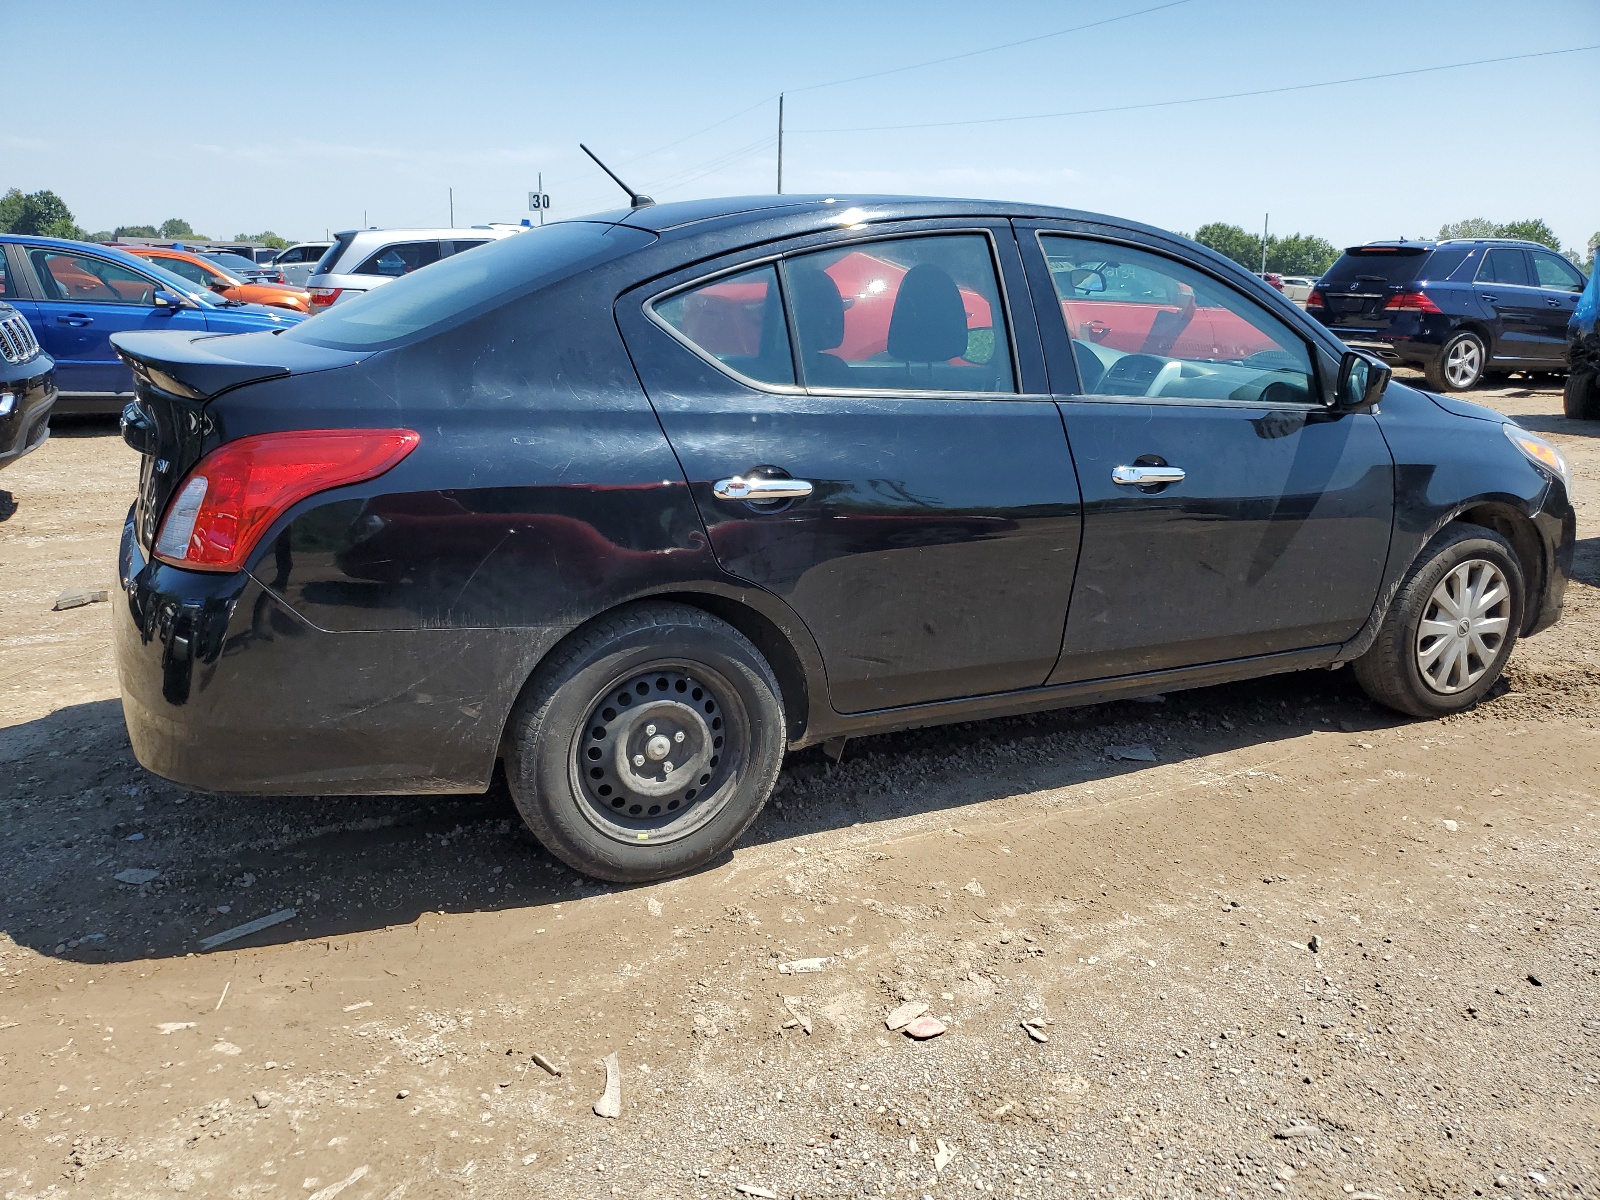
(114, 253)
(826, 210)
(398, 234)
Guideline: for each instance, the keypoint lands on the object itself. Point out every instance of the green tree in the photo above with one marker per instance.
(1472, 227)
(42, 213)
(266, 239)
(102, 235)
(177, 227)
(137, 231)
(1231, 242)
(1594, 249)
(1300, 254)
(1531, 230)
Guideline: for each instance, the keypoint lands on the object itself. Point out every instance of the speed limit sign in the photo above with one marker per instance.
(538, 200)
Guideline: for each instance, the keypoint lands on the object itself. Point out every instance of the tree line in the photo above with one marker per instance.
(1306, 254)
(45, 214)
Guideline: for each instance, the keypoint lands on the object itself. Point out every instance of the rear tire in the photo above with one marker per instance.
(1459, 365)
(591, 745)
(1451, 627)
(1581, 398)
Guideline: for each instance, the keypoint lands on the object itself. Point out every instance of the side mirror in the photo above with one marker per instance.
(216, 285)
(169, 300)
(1085, 280)
(1362, 381)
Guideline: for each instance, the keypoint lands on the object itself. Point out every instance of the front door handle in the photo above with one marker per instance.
(1486, 296)
(77, 320)
(1553, 303)
(742, 487)
(1145, 476)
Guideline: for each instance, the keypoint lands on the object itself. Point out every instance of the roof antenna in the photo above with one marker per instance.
(635, 199)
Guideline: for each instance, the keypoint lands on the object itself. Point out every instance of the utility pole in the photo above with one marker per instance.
(541, 197)
(780, 143)
(452, 208)
(1264, 220)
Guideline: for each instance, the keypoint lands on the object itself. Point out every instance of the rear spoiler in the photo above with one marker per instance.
(201, 366)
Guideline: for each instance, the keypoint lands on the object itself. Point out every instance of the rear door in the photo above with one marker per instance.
(1505, 286)
(928, 523)
(1560, 285)
(1272, 527)
(83, 300)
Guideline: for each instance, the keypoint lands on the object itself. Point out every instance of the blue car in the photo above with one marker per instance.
(76, 295)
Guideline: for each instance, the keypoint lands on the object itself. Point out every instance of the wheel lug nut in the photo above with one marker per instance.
(678, 737)
(649, 729)
(638, 760)
(667, 768)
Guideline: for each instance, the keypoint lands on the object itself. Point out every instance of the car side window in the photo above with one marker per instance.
(736, 320)
(1553, 271)
(83, 279)
(901, 314)
(400, 259)
(5, 280)
(1143, 324)
(1504, 264)
(460, 247)
(193, 272)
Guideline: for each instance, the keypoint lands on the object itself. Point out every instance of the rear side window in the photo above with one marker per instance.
(1557, 273)
(459, 247)
(1376, 265)
(1442, 264)
(330, 257)
(738, 321)
(402, 258)
(920, 314)
(1505, 265)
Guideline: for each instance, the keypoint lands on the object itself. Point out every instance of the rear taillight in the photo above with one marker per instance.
(1316, 299)
(236, 492)
(322, 297)
(1412, 302)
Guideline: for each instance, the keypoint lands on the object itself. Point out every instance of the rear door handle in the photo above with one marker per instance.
(1145, 476)
(741, 487)
(1553, 302)
(1486, 296)
(75, 319)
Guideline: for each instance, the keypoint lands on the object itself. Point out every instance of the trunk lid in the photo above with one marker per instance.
(176, 377)
(1365, 278)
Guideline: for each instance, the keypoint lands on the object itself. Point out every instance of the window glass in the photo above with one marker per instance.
(5, 280)
(1145, 325)
(1504, 265)
(737, 320)
(916, 313)
(1555, 272)
(1443, 263)
(190, 271)
(400, 259)
(461, 246)
(84, 279)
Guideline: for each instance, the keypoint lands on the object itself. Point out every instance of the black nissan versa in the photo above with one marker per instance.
(636, 503)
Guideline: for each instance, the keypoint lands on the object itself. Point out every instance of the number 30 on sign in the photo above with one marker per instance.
(538, 200)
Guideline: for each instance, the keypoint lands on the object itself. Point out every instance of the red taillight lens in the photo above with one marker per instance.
(322, 297)
(1412, 301)
(1316, 299)
(238, 490)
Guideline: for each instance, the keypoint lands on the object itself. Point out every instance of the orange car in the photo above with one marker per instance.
(208, 274)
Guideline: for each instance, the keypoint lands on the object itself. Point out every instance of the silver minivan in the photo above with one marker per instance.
(299, 262)
(362, 259)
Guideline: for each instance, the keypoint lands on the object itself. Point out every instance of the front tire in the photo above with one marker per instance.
(1581, 398)
(1459, 365)
(645, 747)
(1451, 627)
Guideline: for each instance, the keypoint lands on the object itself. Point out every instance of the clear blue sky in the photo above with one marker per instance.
(144, 109)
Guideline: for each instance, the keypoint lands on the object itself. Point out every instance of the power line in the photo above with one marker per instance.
(933, 62)
(1297, 87)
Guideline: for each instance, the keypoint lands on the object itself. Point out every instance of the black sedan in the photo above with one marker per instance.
(636, 503)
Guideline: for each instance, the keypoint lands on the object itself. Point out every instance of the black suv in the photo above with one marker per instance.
(27, 386)
(1460, 310)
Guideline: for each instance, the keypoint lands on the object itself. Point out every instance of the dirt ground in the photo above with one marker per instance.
(1315, 949)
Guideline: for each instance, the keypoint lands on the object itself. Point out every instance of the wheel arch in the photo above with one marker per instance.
(1517, 528)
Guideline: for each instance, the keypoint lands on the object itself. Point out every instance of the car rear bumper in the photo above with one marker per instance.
(225, 688)
(25, 407)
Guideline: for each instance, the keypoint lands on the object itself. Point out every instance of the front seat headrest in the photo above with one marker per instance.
(818, 308)
(929, 322)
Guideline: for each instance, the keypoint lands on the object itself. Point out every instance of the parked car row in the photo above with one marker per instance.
(632, 504)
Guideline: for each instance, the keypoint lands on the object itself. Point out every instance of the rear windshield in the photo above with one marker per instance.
(463, 285)
(1378, 264)
(332, 253)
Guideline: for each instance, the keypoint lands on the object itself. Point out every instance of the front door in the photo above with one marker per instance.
(84, 300)
(1505, 287)
(857, 430)
(1559, 284)
(1227, 512)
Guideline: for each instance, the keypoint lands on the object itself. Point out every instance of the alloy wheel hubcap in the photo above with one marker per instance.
(652, 746)
(1464, 626)
(1462, 363)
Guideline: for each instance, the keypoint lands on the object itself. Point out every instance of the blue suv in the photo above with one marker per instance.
(76, 295)
(1459, 310)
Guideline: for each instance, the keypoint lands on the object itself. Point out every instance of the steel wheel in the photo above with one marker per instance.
(657, 756)
(1463, 626)
(1463, 363)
